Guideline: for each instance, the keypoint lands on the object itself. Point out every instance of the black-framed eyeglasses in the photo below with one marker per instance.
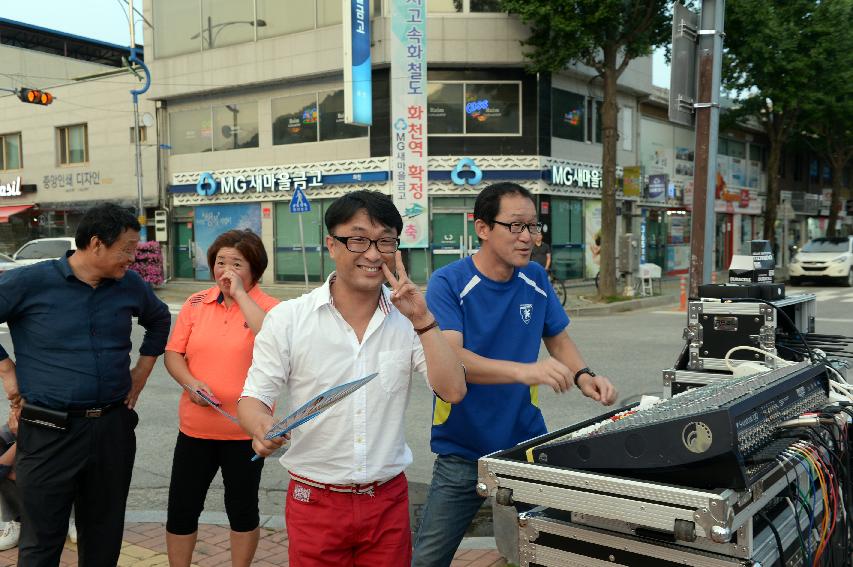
(518, 227)
(361, 244)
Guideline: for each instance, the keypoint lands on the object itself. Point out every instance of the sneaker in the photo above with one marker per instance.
(72, 531)
(9, 536)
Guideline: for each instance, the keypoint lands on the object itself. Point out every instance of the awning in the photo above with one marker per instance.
(6, 212)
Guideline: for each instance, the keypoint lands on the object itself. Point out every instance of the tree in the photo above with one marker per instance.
(605, 35)
(768, 64)
(828, 114)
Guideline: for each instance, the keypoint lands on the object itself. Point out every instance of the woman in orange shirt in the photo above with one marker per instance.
(210, 350)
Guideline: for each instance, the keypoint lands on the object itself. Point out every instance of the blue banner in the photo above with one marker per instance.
(358, 97)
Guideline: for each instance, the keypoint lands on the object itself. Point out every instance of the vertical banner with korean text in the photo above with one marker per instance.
(358, 99)
(409, 119)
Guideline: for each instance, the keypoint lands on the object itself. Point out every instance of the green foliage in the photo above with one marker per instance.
(580, 31)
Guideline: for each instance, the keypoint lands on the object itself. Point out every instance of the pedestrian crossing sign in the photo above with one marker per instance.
(299, 203)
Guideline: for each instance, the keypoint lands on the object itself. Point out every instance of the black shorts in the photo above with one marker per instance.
(193, 468)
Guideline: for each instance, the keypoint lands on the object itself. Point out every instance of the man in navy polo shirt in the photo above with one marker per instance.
(70, 321)
(494, 307)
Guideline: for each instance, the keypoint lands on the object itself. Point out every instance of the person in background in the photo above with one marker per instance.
(71, 321)
(541, 252)
(210, 350)
(347, 502)
(495, 308)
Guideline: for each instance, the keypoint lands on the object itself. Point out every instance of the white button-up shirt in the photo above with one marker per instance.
(306, 346)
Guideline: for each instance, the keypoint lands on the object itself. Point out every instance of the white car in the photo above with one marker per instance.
(43, 249)
(824, 258)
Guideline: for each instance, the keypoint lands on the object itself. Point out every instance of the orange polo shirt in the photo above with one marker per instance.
(217, 344)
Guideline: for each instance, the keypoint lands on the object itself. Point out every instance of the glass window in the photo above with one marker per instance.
(492, 108)
(235, 126)
(190, 131)
(486, 6)
(756, 153)
(73, 144)
(736, 149)
(445, 108)
(722, 147)
(10, 151)
(284, 16)
(598, 105)
(43, 249)
(332, 125)
(439, 6)
(567, 115)
(329, 12)
(226, 22)
(177, 27)
(294, 119)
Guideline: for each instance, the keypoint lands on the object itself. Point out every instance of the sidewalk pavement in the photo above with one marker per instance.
(145, 546)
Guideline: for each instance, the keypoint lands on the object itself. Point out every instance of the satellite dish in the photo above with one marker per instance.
(147, 120)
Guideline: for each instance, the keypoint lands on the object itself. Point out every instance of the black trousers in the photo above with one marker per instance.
(89, 465)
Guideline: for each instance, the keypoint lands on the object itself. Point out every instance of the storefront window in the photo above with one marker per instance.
(73, 144)
(445, 108)
(235, 126)
(332, 125)
(284, 16)
(294, 119)
(492, 108)
(486, 6)
(190, 131)
(444, 6)
(177, 27)
(567, 118)
(227, 22)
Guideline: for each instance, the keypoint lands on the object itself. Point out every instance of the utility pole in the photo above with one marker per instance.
(133, 59)
(707, 110)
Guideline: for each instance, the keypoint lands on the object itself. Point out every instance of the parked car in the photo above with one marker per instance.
(43, 249)
(823, 258)
(7, 263)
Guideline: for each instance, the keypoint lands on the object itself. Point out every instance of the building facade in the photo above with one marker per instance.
(59, 160)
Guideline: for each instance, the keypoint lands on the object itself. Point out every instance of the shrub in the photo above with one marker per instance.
(149, 263)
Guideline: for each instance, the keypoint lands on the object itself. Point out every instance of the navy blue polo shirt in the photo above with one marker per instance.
(72, 341)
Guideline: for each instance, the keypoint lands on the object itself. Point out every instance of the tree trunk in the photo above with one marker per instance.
(772, 205)
(609, 114)
(838, 163)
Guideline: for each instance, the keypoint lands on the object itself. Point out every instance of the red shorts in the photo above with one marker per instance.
(349, 530)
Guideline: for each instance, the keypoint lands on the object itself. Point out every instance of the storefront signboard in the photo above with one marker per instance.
(576, 176)
(632, 181)
(657, 187)
(274, 181)
(358, 103)
(409, 119)
(11, 189)
(592, 236)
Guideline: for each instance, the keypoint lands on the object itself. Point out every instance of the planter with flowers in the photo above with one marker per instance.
(149, 263)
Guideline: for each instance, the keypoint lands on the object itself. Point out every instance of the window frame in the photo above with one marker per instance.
(63, 132)
(4, 151)
(591, 109)
(464, 132)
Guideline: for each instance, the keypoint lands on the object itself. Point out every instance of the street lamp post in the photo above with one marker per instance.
(211, 35)
(133, 59)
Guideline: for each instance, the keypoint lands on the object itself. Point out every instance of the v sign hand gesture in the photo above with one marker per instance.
(406, 296)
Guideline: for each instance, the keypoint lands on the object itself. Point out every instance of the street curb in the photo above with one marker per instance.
(267, 522)
(622, 306)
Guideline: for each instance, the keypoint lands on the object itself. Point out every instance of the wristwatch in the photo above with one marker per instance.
(583, 371)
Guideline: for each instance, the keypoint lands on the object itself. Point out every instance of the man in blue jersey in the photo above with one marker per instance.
(494, 308)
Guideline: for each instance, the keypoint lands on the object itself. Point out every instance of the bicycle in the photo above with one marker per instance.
(622, 283)
(559, 287)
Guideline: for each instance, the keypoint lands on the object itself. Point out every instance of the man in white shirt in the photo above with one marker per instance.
(347, 502)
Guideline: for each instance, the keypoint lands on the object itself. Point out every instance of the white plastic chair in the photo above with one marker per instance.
(649, 273)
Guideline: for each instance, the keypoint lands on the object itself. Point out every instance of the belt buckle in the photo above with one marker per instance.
(98, 412)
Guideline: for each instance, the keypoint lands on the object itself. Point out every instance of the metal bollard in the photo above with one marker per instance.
(683, 302)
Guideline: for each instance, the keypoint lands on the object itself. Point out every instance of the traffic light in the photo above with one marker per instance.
(35, 96)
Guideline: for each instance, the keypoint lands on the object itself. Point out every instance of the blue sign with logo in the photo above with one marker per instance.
(358, 79)
(299, 203)
(466, 171)
(206, 185)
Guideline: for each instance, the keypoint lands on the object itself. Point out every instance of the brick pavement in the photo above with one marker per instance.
(145, 546)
